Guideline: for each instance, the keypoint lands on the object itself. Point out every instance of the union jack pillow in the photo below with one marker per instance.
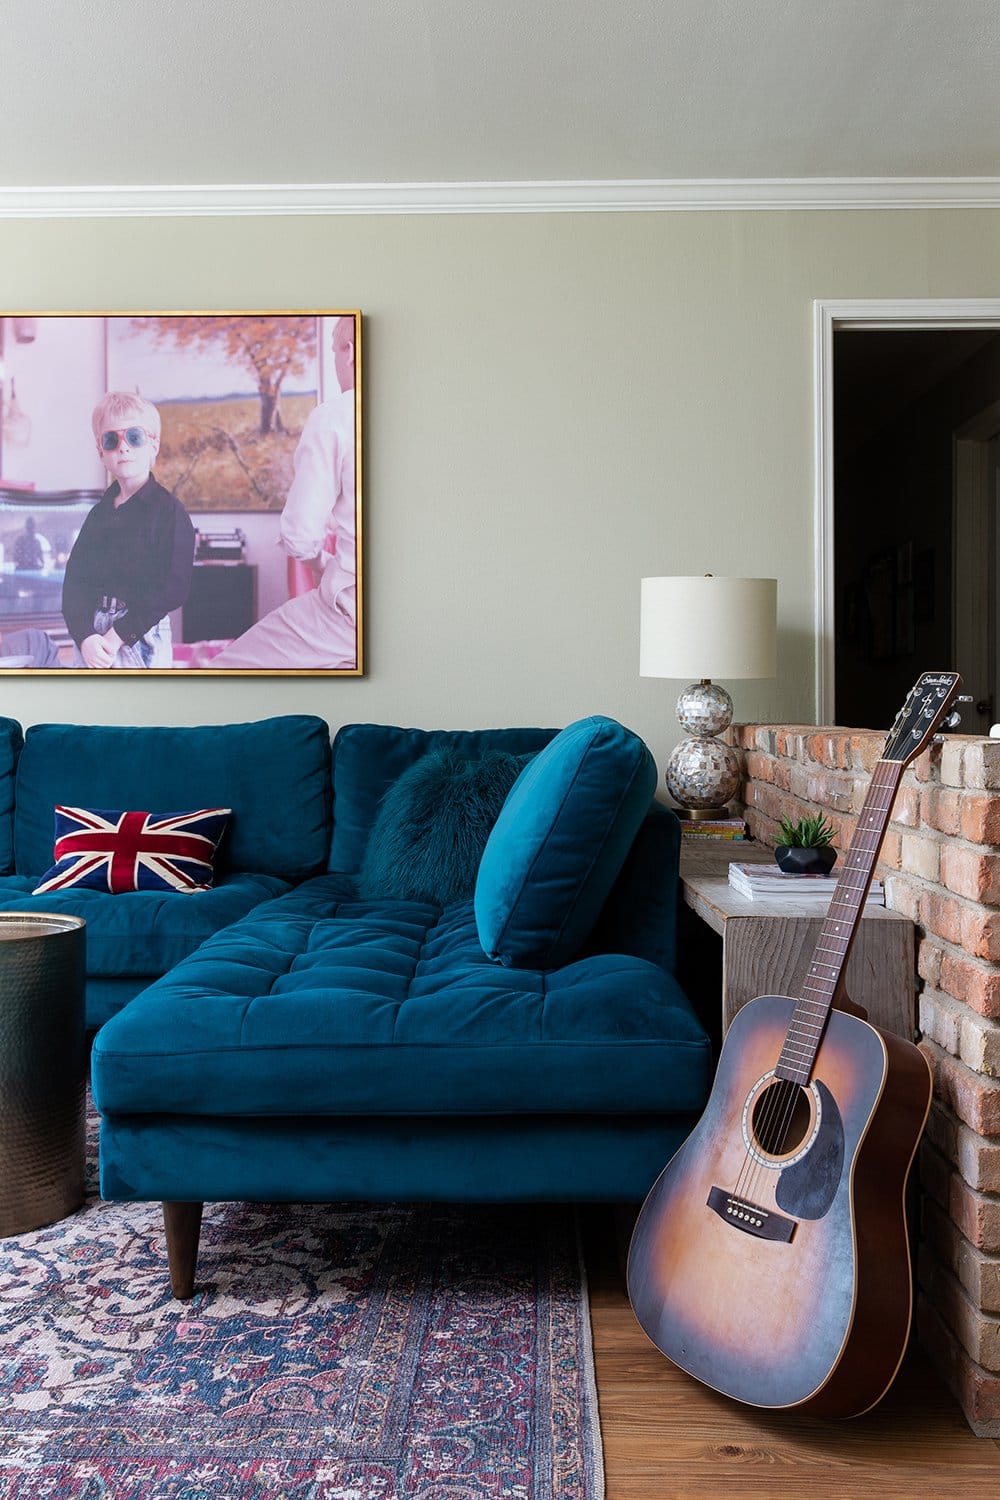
(134, 851)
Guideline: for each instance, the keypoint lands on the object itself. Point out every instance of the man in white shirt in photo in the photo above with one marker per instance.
(317, 628)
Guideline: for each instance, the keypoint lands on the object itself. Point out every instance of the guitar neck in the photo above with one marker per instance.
(829, 960)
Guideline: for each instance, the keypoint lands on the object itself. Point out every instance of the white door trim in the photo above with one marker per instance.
(874, 313)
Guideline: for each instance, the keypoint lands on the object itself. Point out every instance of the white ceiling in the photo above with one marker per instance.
(122, 92)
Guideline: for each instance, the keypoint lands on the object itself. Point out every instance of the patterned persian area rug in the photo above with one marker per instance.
(345, 1352)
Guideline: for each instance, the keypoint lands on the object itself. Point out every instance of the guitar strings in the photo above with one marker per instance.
(885, 778)
(873, 806)
(778, 1108)
(779, 1104)
(876, 806)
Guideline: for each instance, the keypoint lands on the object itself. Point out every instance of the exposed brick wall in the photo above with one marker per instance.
(941, 866)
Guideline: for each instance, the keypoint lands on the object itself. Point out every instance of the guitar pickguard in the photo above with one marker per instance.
(808, 1187)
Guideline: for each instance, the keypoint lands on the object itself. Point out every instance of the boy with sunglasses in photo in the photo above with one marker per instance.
(131, 563)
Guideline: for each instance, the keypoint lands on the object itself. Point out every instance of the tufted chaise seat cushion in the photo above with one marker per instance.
(322, 1004)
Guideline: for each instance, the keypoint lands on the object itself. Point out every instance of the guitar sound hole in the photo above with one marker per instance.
(781, 1117)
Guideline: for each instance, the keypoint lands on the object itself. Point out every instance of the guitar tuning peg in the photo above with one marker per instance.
(955, 718)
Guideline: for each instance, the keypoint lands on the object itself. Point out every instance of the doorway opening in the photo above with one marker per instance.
(909, 489)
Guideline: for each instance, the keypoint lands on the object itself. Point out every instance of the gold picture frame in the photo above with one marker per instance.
(219, 505)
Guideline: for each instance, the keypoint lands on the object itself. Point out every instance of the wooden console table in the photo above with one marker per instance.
(767, 946)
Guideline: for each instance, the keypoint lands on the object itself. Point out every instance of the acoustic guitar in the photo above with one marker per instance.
(770, 1259)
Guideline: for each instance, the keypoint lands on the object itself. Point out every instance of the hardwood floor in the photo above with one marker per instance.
(667, 1438)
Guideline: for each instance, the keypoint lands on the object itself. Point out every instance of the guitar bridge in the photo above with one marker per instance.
(750, 1217)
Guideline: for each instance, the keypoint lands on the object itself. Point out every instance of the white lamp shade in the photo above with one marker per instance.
(708, 627)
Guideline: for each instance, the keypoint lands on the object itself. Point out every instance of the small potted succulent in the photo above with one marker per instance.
(806, 847)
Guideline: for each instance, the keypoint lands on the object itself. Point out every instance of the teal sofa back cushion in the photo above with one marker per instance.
(11, 741)
(560, 842)
(274, 774)
(369, 758)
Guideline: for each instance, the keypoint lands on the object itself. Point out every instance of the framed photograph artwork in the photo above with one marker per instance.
(181, 492)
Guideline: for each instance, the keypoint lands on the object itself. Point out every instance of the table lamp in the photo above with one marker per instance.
(706, 627)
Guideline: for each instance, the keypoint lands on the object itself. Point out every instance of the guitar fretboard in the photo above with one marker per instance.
(840, 926)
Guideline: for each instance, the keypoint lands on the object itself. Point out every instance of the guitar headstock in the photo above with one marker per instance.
(929, 702)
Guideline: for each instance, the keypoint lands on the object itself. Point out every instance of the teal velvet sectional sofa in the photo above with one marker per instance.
(528, 1041)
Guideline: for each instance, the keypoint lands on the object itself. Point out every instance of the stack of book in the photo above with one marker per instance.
(713, 828)
(767, 883)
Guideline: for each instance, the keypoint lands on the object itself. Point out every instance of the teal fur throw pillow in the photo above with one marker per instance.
(432, 825)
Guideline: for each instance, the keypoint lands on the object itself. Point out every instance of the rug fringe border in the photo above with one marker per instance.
(588, 1371)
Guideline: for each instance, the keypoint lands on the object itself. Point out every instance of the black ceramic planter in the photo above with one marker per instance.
(796, 860)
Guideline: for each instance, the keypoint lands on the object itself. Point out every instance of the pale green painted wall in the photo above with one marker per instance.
(555, 405)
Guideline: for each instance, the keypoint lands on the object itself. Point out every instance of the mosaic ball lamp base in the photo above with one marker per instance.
(703, 773)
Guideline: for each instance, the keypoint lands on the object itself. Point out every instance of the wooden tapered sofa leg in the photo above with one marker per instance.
(182, 1221)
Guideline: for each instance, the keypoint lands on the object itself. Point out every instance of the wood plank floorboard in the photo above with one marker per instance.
(668, 1438)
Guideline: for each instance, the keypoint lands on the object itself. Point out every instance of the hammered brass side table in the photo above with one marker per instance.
(42, 1068)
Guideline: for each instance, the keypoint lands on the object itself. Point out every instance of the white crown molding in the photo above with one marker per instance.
(501, 197)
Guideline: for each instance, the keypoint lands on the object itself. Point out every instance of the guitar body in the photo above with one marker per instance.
(771, 1259)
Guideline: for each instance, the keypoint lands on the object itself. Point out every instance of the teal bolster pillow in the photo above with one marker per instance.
(560, 842)
(432, 825)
